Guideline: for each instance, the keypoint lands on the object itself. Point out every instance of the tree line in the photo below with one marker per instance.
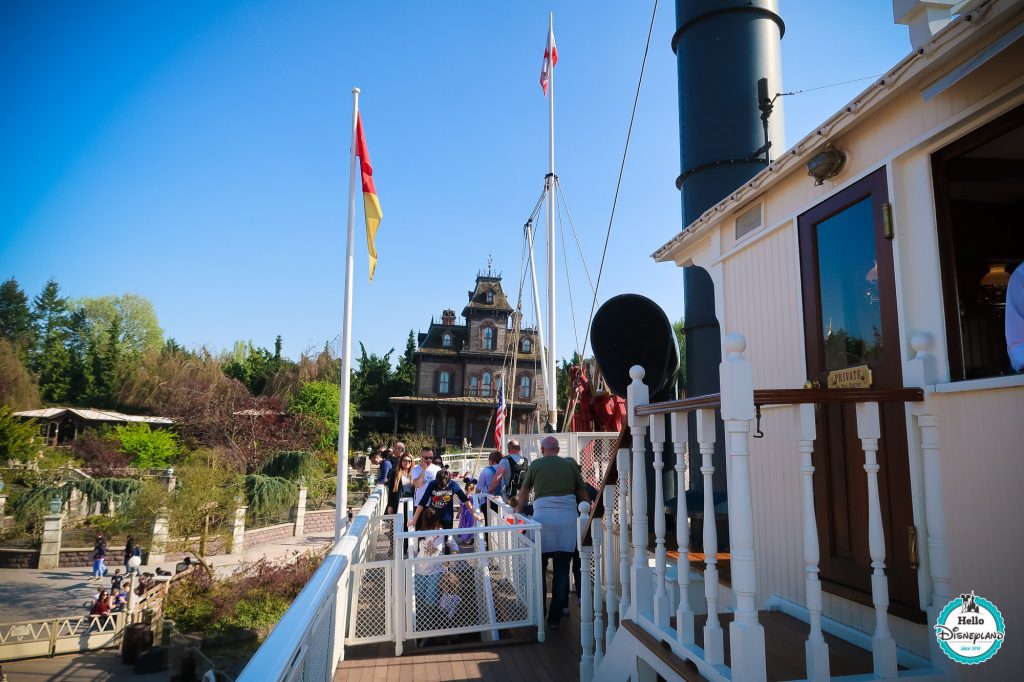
(109, 352)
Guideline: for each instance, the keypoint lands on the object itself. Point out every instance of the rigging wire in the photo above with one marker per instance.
(568, 283)
(831, 85)
(622, 167)
(579, 248)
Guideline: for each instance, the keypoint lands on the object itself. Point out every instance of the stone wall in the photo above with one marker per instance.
(81, 557)
(262, 536)
(321, 521)
(19, 558)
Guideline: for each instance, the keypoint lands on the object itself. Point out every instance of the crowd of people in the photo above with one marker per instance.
(547, 489)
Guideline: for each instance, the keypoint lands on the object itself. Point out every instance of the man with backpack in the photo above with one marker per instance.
(508, 477)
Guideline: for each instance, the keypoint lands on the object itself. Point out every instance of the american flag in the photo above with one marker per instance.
(499, 418)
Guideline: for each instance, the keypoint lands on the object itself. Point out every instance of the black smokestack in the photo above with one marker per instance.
(730, 125)
(728, 54)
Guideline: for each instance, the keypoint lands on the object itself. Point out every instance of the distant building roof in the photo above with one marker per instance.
(90, 414)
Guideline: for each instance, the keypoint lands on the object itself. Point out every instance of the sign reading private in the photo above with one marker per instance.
(851, 377)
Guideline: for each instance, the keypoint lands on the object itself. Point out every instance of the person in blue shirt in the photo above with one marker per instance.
(383, 464)
(440, 496)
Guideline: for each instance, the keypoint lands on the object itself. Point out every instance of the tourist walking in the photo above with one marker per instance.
(557, 486)
(99, 556)
(400, 484)
(440, 497)
(509, 474)
(486, 477)
(424, 472)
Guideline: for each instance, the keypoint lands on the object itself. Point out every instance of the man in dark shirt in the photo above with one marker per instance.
(440, 496)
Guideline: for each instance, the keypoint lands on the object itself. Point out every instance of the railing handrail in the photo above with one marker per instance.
(824, 396)
(279, 649)
(790, 396)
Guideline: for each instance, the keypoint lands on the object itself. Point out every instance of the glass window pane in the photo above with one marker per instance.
(848, 277)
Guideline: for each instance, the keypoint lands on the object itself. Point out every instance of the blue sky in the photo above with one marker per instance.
(196, 152)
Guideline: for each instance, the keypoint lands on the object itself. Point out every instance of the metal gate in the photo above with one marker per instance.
(371, 584)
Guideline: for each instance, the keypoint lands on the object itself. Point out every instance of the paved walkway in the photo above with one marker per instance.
(27, 594)
(34, 594)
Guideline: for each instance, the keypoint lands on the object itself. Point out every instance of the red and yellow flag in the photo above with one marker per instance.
(371, 206)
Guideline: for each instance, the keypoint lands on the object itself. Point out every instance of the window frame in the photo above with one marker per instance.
(525, 386)
(446, 340)
(944, 227)
(444, 381)
(487, 335)
(485, 385)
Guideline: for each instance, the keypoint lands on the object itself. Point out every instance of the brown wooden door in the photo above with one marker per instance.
(849, 298)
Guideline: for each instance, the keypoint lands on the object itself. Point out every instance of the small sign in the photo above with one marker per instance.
(851, 377)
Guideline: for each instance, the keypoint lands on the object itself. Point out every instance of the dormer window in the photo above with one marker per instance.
(446, 341)
(527, 345)
(488, 338)
(485, 391)
(490, 297)
(444, 380)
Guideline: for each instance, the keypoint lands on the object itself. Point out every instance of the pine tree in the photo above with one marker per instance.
(50, 359)
(80, 349)
(15, 316)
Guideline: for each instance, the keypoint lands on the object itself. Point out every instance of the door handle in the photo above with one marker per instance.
(912, 547)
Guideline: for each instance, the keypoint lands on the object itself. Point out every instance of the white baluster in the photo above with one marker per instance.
(684, 613)
(815, 648)
(597, 535)
(921, 372)
(746, 634)
(622, 462)
(661, 600)
(883, 646)
(637, 394)
(586, 605)
(611, 598)
(714, 647)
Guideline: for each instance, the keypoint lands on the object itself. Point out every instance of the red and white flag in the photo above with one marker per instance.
(499, 418)
(550, 59)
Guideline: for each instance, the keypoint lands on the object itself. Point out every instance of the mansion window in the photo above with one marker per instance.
(524, 386)
(979, 193)
(446, 341)
(450, 428)
(490, 297)
(527, 345)
(431, 425)
(474, 385)
(488, 338)
(485, 390)
(443, 382)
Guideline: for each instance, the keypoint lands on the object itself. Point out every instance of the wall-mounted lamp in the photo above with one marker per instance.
(826, 164)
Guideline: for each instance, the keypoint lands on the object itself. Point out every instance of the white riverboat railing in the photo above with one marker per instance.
(623, 590)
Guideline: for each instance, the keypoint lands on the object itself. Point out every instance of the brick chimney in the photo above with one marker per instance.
(448, 317)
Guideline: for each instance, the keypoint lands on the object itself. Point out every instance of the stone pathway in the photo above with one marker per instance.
(27, 594)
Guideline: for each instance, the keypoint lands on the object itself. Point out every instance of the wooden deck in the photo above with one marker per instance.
(520, 657)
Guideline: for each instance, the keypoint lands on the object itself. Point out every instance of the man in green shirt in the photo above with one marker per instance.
(557, 486)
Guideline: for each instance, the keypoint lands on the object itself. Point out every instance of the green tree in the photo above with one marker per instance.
(148, 448)
(17, 437)
(105, 361)
(15, 316)
(50, 359)
(254, 366)
(202, 502)
(138, 328)
(319, 402)
(405, 373)
(18, 388)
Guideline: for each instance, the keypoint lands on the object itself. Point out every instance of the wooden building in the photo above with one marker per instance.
(460, 365)
(61, 425)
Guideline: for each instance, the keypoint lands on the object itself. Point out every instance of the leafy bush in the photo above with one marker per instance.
(100, 455)
(148, 448)
(255, 596)
(16, 437)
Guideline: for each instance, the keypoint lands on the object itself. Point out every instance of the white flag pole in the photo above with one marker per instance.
(341, 494)
(552, 387)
